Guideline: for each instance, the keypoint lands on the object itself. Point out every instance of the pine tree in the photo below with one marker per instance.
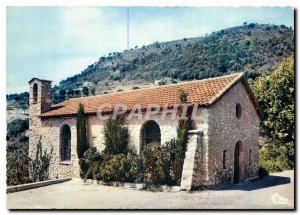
(82, 143)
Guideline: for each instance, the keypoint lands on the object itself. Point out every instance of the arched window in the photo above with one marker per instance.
(35, 92)
(224, 159)
(250, 157)
(65, 143)
(238, 110)
(150, 133)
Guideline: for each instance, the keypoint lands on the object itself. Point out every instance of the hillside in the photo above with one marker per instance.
(251, 48)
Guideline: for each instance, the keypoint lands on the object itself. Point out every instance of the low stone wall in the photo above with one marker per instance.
(129, 185)
(17, 188)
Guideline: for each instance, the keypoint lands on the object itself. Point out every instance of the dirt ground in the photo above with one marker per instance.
(273, 192)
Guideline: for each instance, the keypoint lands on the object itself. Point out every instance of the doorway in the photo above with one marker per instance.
(237, 162)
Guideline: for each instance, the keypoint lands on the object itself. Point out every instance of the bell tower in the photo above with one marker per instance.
(39, 96)
(39, 102)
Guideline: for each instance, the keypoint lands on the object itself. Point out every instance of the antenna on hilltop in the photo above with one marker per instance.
(127, 28)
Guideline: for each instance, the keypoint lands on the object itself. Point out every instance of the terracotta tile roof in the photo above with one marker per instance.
(203, 92)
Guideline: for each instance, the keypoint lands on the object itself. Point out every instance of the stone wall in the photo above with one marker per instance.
(193, 171)
(36, 107)
(96, 131)
(50, 129)
(225, 130)
(51, 133)
(195, 167)
(218, 129)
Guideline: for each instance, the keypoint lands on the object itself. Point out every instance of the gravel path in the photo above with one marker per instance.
(275, 191)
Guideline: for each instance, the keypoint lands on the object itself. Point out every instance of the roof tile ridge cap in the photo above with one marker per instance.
(239, 77)
(195, 81)
(150, 88)
(174, 85)
(108, 94)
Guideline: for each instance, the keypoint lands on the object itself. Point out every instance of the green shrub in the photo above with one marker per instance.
(136, 169)
(89, 163)
(158, 164)
(16, 127)
(154, 168)
(262, 172)
(109, 168)
(23, 138)
(274, 159)
(120, 167)
(17, 165)
(39, 167)
(116, 136)
(168, 161)
(153, 171)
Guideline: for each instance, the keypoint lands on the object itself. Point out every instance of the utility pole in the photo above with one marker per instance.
(127, 28)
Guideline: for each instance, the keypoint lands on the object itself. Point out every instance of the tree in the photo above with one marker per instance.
(116, 136)
(17, 98)
(85, 91)
(17, 126)
(71, 92)
(17, 165)
(93, 90)
(82, 143)
(23, 106)
(62, 92)
(77, 92)
(276, 93)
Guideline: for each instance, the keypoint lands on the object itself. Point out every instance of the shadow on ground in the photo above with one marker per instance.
(269, 181)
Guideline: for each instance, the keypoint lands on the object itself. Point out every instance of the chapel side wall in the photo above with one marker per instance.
(96, 131)
(168, 130)
(225, 130)
(50, 129)
(50, 132)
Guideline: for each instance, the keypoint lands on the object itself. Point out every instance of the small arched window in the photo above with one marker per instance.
(150, 133)
(224, 159)
(35, 92)
(65, 143)
(238, 110)
(250, 157)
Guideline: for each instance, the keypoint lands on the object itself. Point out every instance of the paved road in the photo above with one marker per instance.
(75, 195)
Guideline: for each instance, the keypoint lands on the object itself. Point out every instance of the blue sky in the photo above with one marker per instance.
(57, 42)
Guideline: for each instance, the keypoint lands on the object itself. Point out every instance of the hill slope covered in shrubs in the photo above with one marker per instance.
(252, 48)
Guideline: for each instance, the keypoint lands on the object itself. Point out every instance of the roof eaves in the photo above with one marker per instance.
(252, 97)
(242, 78)
(223, 91)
